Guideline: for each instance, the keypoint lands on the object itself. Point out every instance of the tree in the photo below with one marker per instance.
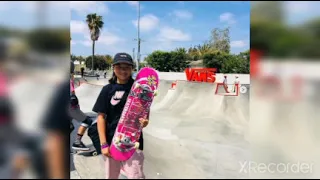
(204, 49)
(193, 54)
(95, 24)
(220, 40)
(81, 59)
(228, 63)
(179, 61)
(215, 60)
(100, 62)
(182, 50)
(236, 64)
(142, 64)
(174, 61)
(245, 55)
(108, 59)
(73, 57)
(49, 40)
(159, 60)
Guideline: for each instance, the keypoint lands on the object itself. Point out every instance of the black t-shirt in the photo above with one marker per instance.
(111, 102)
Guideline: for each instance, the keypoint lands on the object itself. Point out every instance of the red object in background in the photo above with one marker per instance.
(3, 85)
(201, 74)
(255, 57)
(173, 84)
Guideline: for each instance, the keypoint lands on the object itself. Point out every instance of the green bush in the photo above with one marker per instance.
(50, 40)
(215, 60)
(228, 63)
(100, 62)
(174, 61)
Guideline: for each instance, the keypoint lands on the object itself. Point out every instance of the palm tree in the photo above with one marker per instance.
(181, 50)
(203, 49)
(95, 24)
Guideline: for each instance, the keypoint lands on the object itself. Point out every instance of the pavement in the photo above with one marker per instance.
(193, 133)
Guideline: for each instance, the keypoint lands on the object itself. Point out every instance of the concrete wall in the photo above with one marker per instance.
(243, 78)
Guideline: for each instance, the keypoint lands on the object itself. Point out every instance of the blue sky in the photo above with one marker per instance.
(25, 14)
(164, 25)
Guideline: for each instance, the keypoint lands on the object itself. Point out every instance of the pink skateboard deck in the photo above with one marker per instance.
(126, 138)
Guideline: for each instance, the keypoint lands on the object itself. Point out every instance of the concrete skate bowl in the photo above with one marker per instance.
(162, 90)
(87, 95)
(185, 137)
(286, 133)
(194, 133)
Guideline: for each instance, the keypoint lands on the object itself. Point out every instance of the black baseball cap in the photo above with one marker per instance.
(122, 58)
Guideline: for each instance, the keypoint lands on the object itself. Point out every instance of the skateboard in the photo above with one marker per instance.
(90, 152)
(128, 131)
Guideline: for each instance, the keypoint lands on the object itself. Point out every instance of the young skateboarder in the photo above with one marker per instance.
(109, 106)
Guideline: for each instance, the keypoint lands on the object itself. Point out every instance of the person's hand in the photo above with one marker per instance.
(20, 162)
(106, 152)
(144, 122)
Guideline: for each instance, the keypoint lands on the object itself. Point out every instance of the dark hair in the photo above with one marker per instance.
(113, 79)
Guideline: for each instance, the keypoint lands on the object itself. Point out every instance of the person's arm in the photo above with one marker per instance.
(57, 125)
(100, 107)
(102, 124)
(55, 156)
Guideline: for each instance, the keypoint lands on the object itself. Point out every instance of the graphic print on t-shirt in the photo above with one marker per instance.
(117, 97)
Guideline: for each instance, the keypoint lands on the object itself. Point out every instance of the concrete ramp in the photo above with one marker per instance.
(162, 91)
(193, 132)
(87, 95)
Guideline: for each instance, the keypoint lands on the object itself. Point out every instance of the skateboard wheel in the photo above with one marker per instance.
(117, 140)
(94, 154)
(136, 145)
(137, 85)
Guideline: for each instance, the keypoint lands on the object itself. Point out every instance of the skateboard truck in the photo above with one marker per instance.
(136, 145)
(119, 140)
(137, 85)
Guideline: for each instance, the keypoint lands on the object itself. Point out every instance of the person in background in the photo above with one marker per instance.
(82, 72)
(236, 83)
(13, 156)
(76, 113)
(225, 84)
